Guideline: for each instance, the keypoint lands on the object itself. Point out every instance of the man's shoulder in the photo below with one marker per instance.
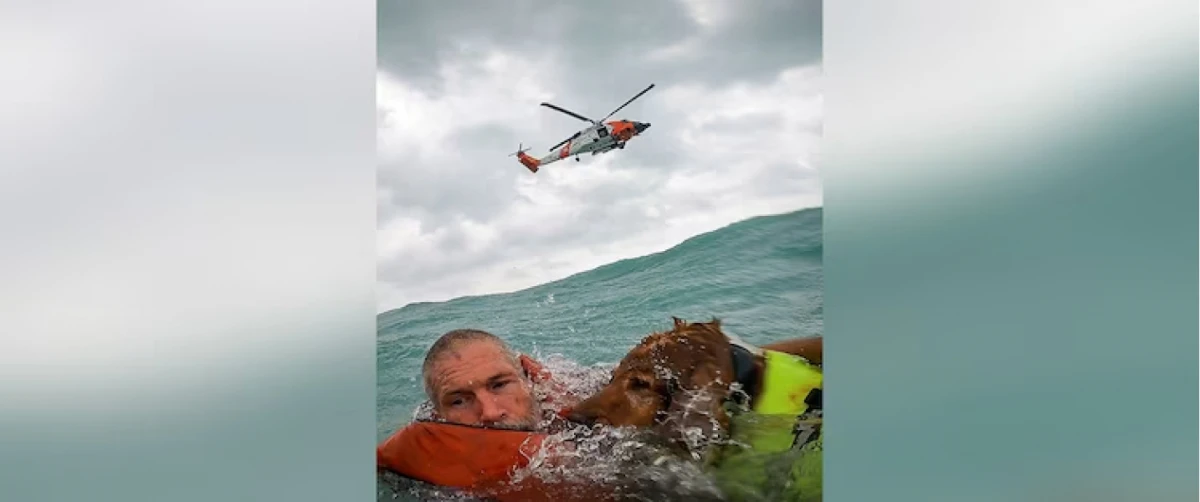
(455, 455)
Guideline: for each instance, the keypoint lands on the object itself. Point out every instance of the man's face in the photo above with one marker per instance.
(476, 383)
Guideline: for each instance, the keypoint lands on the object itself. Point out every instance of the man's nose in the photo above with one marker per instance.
(490, 410)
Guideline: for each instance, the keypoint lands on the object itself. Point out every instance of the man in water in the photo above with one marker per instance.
(473, 379)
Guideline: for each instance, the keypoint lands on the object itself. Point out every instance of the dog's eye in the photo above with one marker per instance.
(639, 384)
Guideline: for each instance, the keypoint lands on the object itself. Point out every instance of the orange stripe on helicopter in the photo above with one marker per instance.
(528, 161)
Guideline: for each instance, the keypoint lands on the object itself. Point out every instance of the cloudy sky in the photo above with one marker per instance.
(736, 114)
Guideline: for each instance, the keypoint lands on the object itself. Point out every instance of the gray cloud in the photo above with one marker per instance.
(415, 35)
(604, 42)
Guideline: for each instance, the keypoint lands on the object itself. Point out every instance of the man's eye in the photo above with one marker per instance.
(500, 385)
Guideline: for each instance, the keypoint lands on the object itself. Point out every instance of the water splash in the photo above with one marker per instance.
(631, 464)
(627, 463)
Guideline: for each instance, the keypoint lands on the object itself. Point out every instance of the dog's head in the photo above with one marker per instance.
(675, 381)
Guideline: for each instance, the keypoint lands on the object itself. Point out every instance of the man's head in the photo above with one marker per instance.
(472, 377)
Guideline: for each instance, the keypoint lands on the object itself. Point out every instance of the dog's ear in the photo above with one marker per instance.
(694, 415)
(679, 323)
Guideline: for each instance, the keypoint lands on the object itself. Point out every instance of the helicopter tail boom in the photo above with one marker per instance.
(527, 161)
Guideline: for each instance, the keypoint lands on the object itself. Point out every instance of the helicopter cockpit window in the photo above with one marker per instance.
(603, 132)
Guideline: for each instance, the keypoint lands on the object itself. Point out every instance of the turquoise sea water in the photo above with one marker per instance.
(762, 277)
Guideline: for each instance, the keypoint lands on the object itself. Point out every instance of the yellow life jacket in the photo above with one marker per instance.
(788, 381)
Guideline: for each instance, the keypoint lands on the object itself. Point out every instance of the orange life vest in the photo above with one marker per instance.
(459, 456)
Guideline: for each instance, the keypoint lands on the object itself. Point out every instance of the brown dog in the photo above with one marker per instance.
(679, 379)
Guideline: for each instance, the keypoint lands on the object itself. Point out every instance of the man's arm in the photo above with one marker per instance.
(808, 348)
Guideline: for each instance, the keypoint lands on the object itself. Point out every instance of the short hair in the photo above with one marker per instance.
(454, 339)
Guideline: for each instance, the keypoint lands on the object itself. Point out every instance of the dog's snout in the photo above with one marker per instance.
(586, 416)
(580, 417)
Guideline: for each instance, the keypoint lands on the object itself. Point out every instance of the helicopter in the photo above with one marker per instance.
(597, 138)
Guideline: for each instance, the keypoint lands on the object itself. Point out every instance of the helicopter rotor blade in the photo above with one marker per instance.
(563, 142)
(568, 112)
(638, 95)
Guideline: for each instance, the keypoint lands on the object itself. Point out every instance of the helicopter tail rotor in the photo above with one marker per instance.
(520, 150)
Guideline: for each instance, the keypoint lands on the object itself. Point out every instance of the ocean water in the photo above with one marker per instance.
(762, 277)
